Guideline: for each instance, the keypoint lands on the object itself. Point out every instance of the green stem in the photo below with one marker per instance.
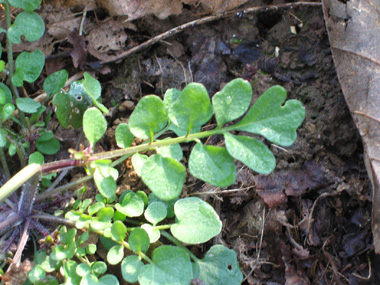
(10, 58)
(27, 172)
(133, 222)
(162, 227)
(19, 179)
(67, 186)
(82, 180)
(56, 165)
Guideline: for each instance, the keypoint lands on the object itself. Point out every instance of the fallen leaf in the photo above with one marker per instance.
(109, 35)
(354, 32)
(272, 188)
(79, 52)
(135, 9)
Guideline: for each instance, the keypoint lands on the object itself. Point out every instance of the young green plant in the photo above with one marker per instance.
(118, 219)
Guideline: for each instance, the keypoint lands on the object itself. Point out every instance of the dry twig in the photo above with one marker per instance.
(204, 20)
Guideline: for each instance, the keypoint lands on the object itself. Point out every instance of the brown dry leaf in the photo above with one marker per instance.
(354, 33)
(79, 52)
(109, 35)
(17, 274)
(135, 9)
(275, 187)
(60, 22)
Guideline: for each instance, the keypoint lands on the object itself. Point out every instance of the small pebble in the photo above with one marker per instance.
(126, 106)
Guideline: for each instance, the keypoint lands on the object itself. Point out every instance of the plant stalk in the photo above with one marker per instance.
(10, 59)
(4, 164)
(58, 165)
(27, 172)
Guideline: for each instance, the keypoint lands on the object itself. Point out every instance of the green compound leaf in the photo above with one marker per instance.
(28, 24)
(84, 237)
(138, 161)
(47, 135)
(27, 105)
(94, 125)
(132, 205)
(36, 274)
(143, 196)
(50, 146)
(55, 82)
(118, 231)
(232, 101)
(139, 240)
(28, 67)
(174, 151)
(89, 279)
(3, 139)
(93, 88)
(155, 212)
(123, 136)
(45, 262)
(36, 157)
(7, 93)
(71, 105)
(91, 249)
(197, 221)
(171, 265)
(219, 266)
(7, 111)
(153, 233)
(83, 269)
(213, 165)
(191, 108)
(83, 221)
(99, 267)
(270, 119)
(95, 208)
(179, 132)
(27, 5)
(102, 220)
(69, 270)
(119, 216)
(164, 176)
(106, 181)
(108, 279)
(12, 149)
(130, 268)
(67, 249)
(169, 204)
(115, 254)
(170, 96)
(149, 117)
(251, 152)
(2, 97)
